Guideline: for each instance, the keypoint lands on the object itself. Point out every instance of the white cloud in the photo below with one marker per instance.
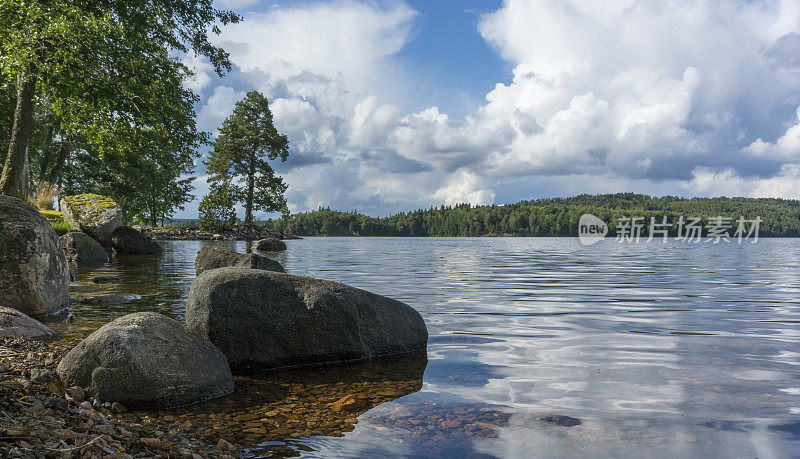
(371, 122)
(465, 187)
(201, 70)
(620, 89)
(339, 38)
(727, 182)
(683, 97)
(787, 147)
(217, 107)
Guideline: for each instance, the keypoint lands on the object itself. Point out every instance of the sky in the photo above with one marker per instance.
(396, 105)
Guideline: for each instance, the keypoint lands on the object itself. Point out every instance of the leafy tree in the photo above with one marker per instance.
(143, 165)
(246, 141)
(217, 211)
(89, 59)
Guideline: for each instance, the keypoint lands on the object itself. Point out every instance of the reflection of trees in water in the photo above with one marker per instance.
(161, 284)
(276, 406)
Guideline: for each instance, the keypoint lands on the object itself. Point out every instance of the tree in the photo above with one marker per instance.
(88, 58)
(217, 210)
(141, 161)
(145, 166)
(246, 141)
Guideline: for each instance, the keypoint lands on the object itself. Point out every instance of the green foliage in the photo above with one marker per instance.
(545, 217)
(111, 113)
(239, 161)
(217, 211)
(87, 48)
(56, 220)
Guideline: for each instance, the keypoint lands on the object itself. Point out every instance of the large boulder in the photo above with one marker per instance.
(212, 257)
(270, 244)
(34, 274)
(263, 319)
(149, 361)
(16, 324)
(82, 249)
(131, 241)
(95, 215)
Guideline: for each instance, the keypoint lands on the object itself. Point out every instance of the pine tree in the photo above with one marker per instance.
(247, 141)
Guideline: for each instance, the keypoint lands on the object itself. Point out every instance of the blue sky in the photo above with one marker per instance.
(396, 105)
(456, 66)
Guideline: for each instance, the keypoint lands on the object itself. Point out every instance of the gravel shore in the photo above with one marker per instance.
(40, 417)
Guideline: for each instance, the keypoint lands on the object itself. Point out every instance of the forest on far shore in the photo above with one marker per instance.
(547, 217)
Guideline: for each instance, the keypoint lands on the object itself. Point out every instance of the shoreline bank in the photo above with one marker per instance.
(194, 234)
(40, 416)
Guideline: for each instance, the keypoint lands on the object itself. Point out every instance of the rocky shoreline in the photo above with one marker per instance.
(41, 417)
(241, 233)
(244, 314)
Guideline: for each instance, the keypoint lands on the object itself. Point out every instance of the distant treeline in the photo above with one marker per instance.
(547, 217)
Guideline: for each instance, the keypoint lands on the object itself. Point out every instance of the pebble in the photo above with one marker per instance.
(76, 394)
(55, 387)
(117, 407)
(41, 375)
(224, 445)
(57, 403)
(450, 424)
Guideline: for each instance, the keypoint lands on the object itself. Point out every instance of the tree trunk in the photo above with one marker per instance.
(251, 178)
(70, 190)
(14, 181)
(45, 160)
(55, 173)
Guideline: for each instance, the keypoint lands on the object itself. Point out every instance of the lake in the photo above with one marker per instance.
(538, 347)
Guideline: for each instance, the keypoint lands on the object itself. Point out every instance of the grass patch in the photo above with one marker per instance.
(57, 221)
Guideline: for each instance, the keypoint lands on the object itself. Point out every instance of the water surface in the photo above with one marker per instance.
(538, 347)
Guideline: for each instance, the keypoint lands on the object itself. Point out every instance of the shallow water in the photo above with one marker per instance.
(538, 347)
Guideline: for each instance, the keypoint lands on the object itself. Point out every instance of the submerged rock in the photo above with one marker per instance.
(16, 324)
(107, 280)
(109, 298)
(34, 274)
(82, 249)
(147, 360)
(96, 215)
(211, 257)
(560, 420)
(130, 241)
(262, 319)
(270, 244)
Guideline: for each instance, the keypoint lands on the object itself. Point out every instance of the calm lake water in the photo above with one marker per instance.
(538, 347)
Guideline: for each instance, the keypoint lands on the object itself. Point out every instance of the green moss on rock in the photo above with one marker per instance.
(98, 216)
(56, 220)
(91, 200)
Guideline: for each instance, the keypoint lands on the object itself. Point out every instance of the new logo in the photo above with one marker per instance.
(591, 229)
